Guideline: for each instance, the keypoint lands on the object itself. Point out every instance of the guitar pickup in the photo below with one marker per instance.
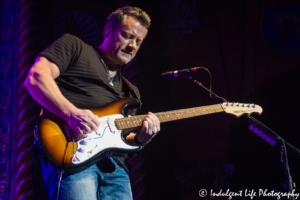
(99, 132)
(111, 125)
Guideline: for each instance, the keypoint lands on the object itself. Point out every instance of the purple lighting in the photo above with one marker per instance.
(272, 142)
(262, 135)
(259, 133)
(251, 127)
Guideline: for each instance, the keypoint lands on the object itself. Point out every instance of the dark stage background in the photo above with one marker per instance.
(252, 49)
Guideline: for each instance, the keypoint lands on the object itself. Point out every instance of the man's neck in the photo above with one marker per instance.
(109, 64)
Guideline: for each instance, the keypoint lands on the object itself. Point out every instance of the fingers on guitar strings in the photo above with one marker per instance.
(84, 128)
(92, 122)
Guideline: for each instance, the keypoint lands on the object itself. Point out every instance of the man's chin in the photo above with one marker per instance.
(125, 61)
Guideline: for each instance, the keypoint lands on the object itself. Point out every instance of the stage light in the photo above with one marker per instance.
(251, 127)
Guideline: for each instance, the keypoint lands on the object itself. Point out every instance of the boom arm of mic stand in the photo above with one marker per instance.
(200, 85)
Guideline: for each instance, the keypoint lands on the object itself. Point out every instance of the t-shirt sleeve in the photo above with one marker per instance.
(63, 52)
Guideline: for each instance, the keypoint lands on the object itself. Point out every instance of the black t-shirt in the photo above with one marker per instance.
(83, 79)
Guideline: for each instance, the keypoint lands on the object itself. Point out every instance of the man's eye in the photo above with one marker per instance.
(124, 35)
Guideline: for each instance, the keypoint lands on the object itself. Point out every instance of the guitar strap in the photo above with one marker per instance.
(132, 90)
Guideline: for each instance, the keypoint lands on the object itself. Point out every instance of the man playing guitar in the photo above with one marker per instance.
(69, 78)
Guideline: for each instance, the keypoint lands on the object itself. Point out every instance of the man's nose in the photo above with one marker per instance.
(132, 44)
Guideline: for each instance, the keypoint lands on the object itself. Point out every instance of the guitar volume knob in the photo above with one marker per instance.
(83, 142)
(81, 150)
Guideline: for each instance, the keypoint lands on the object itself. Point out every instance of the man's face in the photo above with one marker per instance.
(124, 42)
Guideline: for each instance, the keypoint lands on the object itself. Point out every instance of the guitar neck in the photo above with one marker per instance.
(136, 121)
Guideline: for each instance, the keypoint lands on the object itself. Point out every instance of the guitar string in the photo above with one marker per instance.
(174, 111)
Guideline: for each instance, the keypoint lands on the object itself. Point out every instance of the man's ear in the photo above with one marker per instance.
(107, 30)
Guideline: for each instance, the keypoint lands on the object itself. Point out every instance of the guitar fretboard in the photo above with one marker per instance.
(136, 121)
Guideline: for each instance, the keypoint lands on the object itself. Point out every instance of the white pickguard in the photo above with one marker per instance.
(102, 139)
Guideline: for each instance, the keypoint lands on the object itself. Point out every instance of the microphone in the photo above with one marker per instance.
(176, 73)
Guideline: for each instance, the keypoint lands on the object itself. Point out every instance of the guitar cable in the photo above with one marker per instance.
(61, 172)
(60, 176)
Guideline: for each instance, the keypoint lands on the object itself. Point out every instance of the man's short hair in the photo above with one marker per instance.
(119, 16)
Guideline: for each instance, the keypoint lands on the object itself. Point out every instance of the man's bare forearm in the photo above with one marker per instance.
(41, 85)
(44, 90)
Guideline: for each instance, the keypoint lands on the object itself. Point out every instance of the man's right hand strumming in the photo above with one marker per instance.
(83, 121)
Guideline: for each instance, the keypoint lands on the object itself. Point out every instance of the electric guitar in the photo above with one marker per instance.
(61, 147)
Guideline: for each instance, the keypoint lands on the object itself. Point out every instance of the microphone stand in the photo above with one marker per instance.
(283, 152)
(188, 76)
(267, 131)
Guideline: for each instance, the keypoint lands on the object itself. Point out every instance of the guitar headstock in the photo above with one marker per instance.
(239, 109)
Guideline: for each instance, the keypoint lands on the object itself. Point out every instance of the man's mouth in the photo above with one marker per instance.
(127, 52)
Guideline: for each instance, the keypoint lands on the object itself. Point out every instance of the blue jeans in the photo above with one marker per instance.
(90, 184)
